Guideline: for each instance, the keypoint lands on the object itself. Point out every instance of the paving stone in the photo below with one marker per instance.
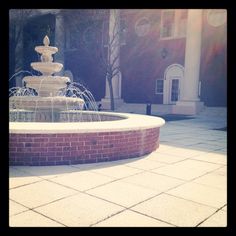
(15, 208)
(47, 172)
(79, 210)
(187, 169)
(213, 180)
(82, 180)
(129, 218)
(32, 219)
(174, 210)
(20, 178)
(123, 193)
(153, 181)
(207, 195)
(39, 193)
(212, 157)
(219, 219)
(117, 171)
(145, 164)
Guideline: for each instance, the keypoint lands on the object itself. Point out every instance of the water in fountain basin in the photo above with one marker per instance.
(17, 93)
(76, 89)
(73, 90)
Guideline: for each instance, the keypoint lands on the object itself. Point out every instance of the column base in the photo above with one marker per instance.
(106, 103)
(188, 107)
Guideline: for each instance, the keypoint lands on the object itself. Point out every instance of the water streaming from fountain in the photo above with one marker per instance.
(50, 98)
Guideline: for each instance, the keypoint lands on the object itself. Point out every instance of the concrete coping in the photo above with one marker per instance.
(128, 122)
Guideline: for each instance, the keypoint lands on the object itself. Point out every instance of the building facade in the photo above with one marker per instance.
(175, 57)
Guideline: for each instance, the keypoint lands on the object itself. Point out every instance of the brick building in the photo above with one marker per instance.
(174, 57)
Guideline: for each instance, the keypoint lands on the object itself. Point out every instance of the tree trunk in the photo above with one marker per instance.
(112, 104)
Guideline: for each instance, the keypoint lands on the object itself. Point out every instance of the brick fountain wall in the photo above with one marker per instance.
(76, 148)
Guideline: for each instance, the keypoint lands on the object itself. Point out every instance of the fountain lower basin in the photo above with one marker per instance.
(121, 136)
(34, 103)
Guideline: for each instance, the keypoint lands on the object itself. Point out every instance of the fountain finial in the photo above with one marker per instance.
(46, 41)
(46, 66)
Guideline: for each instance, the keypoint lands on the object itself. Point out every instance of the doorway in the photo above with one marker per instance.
(172, 80)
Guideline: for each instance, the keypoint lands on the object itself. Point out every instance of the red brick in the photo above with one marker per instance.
(47, 163)
(78, 144)
(75, 148)
(57, 140)
(23, 158)
(39, 149)
(64, 135)
(67, 162)
(38, 158)
(73, 139)
(69, 158)
(34, 144)
(49, 144)
(40, 140)
(12, 149)
(55, 158)
(47, 154)
(75, 153)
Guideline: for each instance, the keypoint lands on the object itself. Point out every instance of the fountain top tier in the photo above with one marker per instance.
(47, 84)
(46, 66)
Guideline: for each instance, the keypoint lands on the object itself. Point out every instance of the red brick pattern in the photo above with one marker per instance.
(76, 148)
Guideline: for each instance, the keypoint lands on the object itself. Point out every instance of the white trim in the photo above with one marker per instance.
(145, 30)
(156, 86)
(216, 17)
(199, 88)
(168, 79)
(131, 122)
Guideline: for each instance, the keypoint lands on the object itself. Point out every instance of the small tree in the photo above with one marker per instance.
(107, 57)
(112, 65)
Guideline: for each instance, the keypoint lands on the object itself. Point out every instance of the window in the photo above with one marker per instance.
(89, 35)
(159, 86)
(142, 26)
(167, 29)
(173, 23)
(217, 17)
(70, 39)
(174, 90)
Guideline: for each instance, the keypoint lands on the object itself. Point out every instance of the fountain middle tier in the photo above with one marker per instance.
(46, 86)
(47, 68)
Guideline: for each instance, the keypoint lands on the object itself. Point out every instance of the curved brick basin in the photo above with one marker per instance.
(123, 136)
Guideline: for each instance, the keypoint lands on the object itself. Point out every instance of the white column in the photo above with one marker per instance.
(192, 56)
(59, 40)
(189, 101)
(114, 43)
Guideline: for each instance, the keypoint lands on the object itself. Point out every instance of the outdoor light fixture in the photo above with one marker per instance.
(164, 53)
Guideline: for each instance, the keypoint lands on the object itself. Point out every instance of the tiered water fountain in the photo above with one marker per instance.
(47, 105)
(46, 127)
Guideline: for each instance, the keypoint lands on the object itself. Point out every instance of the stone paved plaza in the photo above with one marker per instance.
(181, 184)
